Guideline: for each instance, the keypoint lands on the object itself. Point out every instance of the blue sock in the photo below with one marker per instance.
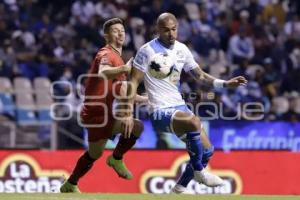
(187, 175)
(195, 150)
(207, 154)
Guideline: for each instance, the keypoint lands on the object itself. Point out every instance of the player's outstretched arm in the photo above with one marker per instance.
(111, 72)
(127, 120)
(211, 81)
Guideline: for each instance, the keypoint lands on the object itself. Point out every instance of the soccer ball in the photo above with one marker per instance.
(161, 65)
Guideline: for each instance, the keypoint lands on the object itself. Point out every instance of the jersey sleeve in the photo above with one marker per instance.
(104, 58)
(190, 62)
(141, 60)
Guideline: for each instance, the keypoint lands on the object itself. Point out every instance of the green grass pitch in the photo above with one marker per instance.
(140, 197)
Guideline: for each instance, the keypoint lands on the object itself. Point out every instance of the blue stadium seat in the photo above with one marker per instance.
(44, 116)
(8, 104)
(26, 116)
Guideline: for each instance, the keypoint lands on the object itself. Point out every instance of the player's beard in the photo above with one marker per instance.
(171, 40)
(170, 43)
(166, 42)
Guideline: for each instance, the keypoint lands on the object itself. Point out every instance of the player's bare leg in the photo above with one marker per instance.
(83, 165)
(185, 123)
(125, 144)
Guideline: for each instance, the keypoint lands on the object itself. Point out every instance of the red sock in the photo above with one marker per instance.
(83, 165)
(123, 146)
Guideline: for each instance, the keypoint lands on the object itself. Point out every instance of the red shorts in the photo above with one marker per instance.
(98, 124)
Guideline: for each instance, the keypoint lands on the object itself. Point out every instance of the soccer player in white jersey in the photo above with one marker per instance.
(169, 112)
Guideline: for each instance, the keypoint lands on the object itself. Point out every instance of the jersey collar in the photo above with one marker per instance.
(163, 45)
(114, 49)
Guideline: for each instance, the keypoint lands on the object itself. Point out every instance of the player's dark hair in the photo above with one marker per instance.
(111, 22)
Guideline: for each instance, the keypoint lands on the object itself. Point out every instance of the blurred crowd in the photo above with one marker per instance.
(258, 39)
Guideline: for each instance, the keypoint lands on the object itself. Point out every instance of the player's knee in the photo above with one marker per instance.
(195, 124)
(138, 128)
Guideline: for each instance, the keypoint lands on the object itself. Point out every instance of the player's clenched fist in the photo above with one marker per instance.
(236, 81)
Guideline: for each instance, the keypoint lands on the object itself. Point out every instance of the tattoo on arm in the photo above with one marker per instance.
(199, 75)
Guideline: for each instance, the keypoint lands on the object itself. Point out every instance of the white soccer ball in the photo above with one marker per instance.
(161, 65)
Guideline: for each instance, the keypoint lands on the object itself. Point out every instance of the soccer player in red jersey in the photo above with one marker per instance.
(104, 85)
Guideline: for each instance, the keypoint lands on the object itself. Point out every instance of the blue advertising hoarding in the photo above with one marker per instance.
(231, 135)
(249, 135)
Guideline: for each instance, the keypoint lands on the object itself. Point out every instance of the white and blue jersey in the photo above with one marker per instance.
(164, 95)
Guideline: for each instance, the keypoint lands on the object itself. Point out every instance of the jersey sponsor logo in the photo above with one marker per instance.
(161, 181)
(180, 61)
(21, 173)
(180, 54)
